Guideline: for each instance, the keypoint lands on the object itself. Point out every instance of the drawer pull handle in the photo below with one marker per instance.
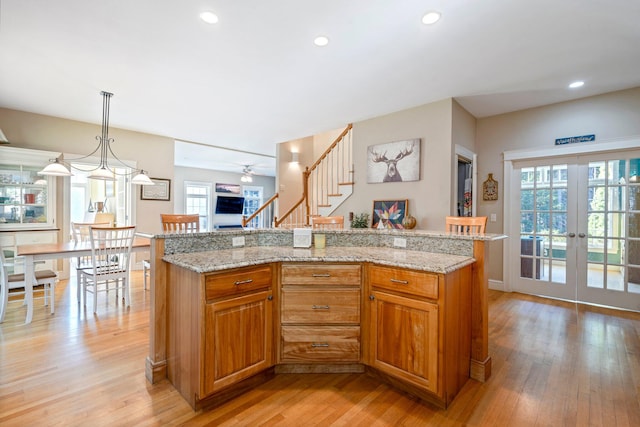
(402, 282)
(320, 307)
(321, 275)
(320, 344)
(243, 282)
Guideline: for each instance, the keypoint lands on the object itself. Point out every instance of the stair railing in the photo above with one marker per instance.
(320, 181)
(332, 169)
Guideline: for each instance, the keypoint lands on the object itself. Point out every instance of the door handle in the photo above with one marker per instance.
(571, 234)
(581, 235)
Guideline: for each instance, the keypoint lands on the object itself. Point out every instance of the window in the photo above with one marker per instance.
(198, 201)
(91, 196)
(252, 202)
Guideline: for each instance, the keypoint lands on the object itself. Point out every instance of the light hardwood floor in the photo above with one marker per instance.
(554, 364)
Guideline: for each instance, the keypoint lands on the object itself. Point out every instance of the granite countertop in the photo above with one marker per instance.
(216, 260)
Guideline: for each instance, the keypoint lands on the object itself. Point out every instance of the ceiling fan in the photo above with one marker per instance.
(247, 172)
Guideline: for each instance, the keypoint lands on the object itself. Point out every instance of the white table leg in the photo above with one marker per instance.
(29, 276)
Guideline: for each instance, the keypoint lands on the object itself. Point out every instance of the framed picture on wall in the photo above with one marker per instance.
(160, 191)
(389, 213)
(394, 161)
(227, 188)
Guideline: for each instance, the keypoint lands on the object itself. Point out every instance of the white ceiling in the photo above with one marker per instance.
(255, 78)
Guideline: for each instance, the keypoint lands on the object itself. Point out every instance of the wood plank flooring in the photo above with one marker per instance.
(554, 364)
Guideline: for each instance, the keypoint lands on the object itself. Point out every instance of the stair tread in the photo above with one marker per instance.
(346, 183)
(324, 206)
(334, 195)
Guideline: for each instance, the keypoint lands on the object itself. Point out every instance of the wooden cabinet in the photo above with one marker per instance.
(237, 340)
(220, 328)
(412, 328)
(404, 340)
(320, 313)
(419, 329)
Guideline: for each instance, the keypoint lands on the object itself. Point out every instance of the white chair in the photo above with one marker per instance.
(110, 261)
(80, 234)
(47, 278)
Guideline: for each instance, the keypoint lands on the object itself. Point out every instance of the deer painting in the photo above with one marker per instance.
(378, 154)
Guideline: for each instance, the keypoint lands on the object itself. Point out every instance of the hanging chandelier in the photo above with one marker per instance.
(105, 172)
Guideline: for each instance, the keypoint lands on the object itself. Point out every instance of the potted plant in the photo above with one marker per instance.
(360, 221)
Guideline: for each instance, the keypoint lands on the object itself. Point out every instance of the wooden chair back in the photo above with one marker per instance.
(327, 222)
(466, 224)
(180, 223)
(102, 217)
(80, 230)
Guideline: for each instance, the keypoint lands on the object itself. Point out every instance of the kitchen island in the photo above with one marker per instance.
(224, 318)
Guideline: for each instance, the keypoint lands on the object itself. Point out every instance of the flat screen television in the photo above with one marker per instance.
(229, 205)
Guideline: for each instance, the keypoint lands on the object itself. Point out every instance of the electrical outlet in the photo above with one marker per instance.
(493, 218)
(399, 242)
(237, 241)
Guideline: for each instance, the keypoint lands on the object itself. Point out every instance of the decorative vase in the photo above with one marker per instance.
(409, 222)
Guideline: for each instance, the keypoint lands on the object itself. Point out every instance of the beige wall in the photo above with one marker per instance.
(442, 125)
(430, 197)
(153, 153)
(289, 175)
(610, 116)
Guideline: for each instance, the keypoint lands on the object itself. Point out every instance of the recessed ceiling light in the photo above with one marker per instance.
(431, 18)
(209, 17)
(321, 41)
(577, 84)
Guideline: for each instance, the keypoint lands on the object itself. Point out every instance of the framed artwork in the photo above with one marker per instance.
(160, 191)
(490, 188)
(389, 213)
(227, 188)
(394, 161)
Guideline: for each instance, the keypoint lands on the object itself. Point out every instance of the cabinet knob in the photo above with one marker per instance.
(371, 297)
(270, 297)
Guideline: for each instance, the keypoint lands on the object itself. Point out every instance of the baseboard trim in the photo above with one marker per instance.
(497, 285)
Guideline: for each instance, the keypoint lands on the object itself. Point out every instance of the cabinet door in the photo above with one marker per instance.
(238, 340)
(404, 339)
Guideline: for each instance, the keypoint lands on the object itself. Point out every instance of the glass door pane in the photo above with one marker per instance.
(545, 217)
(609, 270)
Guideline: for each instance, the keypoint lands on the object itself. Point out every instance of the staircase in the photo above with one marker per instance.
(326, 185)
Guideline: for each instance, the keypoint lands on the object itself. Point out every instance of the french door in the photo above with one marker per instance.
(578, 228)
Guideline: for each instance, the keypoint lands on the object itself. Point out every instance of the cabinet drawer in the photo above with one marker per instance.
(319, 306)
(317, 344)
(408, 281)
(321, 274)
(237, 281)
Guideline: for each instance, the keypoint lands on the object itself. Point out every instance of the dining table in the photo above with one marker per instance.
(44, 251)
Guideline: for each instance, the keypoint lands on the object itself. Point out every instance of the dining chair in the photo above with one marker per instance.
(80, 234)
(108, 217)
(8, 281)
(466, 224)
(110, 261)
(327, 222)
(173, 223)
(180, 223)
